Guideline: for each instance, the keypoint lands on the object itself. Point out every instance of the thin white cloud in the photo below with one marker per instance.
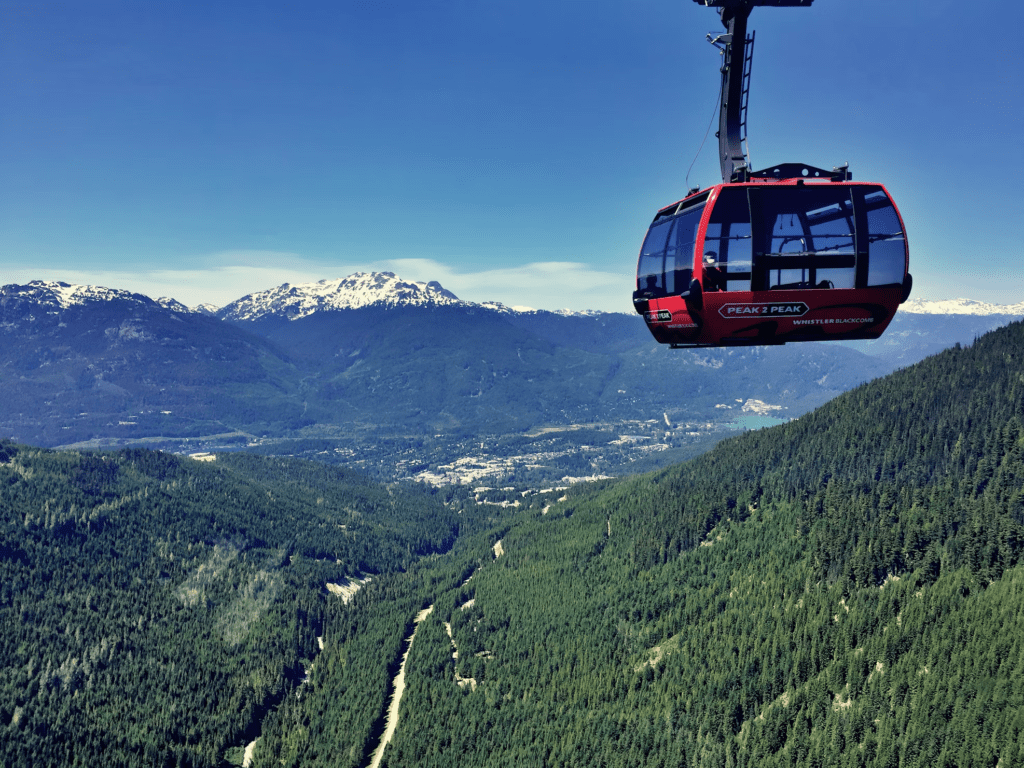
(226, 276)
(543, 285)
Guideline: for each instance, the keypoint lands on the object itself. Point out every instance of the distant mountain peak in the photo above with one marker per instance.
(362, 289)
(57, 295)
(960, 307)
(172, 304)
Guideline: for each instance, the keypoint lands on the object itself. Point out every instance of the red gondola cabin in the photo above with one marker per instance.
(773, 260)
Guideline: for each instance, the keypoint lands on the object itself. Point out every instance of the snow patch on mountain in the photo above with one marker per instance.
(362, 289)
(497, 306)
(584, 312)
(960, 307)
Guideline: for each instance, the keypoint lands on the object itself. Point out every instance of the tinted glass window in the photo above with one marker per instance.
(666, 258)
(679, 255)
(887, 245)
(684, 236)
(651, 271)
(807, 237)
(727, 251)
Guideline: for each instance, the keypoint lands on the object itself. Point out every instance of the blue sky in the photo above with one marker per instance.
(514, 151)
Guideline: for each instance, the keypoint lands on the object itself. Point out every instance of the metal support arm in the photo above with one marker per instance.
(732, 155)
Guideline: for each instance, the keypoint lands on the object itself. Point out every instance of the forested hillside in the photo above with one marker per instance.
(154, 608)
(844, 590)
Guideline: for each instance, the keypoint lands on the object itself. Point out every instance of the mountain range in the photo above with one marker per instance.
(961, 307)
(371, 355)
(380, 289)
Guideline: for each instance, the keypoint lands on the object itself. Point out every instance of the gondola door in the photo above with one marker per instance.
(726, 267)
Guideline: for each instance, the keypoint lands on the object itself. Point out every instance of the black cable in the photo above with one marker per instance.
(718, 101)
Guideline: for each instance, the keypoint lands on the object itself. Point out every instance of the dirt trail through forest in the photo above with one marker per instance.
(247, 758)
(396, 697)
(462, 681)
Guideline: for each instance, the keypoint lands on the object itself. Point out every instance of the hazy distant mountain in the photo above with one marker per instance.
(397, 354)
(372, 352)
(206, 309)
(81, 362)
(922, 328)
(961, 307)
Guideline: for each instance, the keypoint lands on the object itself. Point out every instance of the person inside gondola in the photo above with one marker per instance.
(714, 278)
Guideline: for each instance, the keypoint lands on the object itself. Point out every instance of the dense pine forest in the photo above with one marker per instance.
(153, 608)
(843, 590)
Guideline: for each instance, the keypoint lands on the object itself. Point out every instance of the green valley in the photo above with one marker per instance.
(842, 590)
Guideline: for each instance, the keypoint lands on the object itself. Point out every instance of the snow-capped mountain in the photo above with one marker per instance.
(55, 296)
(291, 301)
(172, 304)
(960, 307)
(362, 289)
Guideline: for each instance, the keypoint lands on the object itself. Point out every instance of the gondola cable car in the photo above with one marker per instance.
(789, 253)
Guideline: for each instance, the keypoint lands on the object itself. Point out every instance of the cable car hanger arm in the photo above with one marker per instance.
(737, 50)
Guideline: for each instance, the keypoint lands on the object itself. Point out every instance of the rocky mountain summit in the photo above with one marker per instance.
(362, 289)
(53, 296)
